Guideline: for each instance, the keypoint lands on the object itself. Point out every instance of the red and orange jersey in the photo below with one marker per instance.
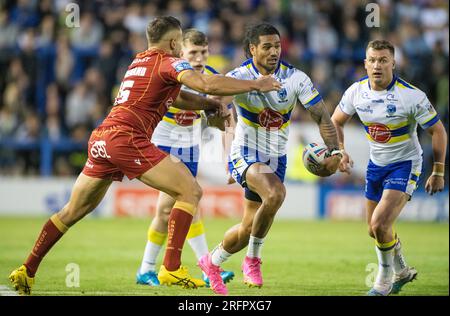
(148, 89)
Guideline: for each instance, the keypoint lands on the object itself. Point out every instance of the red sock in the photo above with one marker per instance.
(50, 234)
(179, 223)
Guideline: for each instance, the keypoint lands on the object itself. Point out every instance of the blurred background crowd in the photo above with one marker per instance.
(58, 79)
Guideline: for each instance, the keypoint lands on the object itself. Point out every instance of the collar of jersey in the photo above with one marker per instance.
(250, 62)
(394, 79)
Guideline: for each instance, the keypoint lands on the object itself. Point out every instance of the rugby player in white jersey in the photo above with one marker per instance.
(257, 159)
(390, 110)
(179, 133)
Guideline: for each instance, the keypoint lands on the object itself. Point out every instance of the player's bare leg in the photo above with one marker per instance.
(258, 218)
(86, 195)
(236, 238)
(381, 221)
(267, 185)
(174, 178)
(262, 180)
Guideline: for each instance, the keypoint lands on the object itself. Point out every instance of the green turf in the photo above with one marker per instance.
(299, 257)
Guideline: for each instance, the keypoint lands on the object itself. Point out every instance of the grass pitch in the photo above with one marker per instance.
(305, 258)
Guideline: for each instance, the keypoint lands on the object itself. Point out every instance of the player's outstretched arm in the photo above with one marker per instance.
(221, 85)
(435, 182)
(191, 101)
(339, 119)
(327, 130)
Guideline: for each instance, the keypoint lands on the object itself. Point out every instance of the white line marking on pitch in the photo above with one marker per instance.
(6, 291)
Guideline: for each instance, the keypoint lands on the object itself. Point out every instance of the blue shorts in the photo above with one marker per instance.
(402, 176)
(188, 155)
(241, 160)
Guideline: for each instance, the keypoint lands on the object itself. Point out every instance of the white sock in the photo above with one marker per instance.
(199, 245)
(399, 260)
(149, 260)
(219, 255)
(254, 247)
(385, 269)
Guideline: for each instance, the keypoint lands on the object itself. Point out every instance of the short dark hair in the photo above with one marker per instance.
(253, 33)
(157, 28)
(195, 37)
(380, 45)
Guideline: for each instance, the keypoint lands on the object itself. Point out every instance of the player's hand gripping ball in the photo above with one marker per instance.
(313, 156)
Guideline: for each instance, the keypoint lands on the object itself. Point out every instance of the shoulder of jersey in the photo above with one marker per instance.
(243, 71)
(408, 88)
(210, 70)
(287, 69)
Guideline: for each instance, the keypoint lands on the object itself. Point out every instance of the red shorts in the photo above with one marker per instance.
(118, 150)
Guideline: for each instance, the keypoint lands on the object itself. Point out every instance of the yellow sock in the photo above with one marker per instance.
(195, 230)
(197, 239)
(152, 249)
(156, 237)
(386, 246)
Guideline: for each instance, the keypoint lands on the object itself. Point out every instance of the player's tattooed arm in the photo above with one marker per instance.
(321, 116)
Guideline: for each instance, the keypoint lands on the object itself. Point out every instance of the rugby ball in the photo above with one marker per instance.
(313, 156)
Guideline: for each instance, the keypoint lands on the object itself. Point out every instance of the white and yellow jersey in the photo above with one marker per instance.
(180, 128)
(264, 118)
(390, 118)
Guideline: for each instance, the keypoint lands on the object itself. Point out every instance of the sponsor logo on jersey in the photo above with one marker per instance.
(380, 133)
(270, 119)
(430, 108)
(89, 164)
(367, 109)
(181, 65)
(98, 149)
(141, 60)
(185, 118)
(234, 73)
(378, 101)
(391, 97)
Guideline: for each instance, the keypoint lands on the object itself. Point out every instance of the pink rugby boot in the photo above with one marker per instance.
(213, 273)
(251, 267)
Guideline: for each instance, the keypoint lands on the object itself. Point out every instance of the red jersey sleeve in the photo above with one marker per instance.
(172, 68)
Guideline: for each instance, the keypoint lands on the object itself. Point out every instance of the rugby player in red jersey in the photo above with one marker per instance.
(121, 146)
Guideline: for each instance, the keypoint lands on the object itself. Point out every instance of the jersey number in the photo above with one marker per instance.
(124, 92)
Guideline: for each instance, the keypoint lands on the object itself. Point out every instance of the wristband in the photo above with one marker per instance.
(335, 152)
(437, 174)
(439, 167)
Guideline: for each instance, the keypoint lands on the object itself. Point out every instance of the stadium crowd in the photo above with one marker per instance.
(58, 79)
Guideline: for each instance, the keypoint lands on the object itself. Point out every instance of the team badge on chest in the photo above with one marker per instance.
(391, 109)
(282, 94)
